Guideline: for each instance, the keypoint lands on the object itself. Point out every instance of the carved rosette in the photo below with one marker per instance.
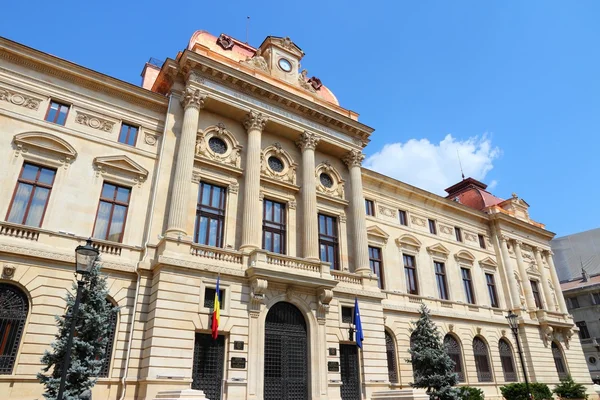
(193, 98)
(308, 140)
(255, 120)
(19, 99)
(94, 122)
(336, 186)
(288, 166)
(388, 212)
(228, 154)
(354, 158)
(257, 295)
(325, 297)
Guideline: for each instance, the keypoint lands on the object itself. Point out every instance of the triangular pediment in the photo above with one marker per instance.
(464, 256)
(488, 262)
(438, 248)
(283, 43)
(123, 164)
(408, 240)
(45, 142)
(378, 233)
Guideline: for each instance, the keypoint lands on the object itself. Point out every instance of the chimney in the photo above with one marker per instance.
(584, 275)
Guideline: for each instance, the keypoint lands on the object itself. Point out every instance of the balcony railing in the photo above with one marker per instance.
(346, 277)
(19, 231)
(291, 262)
(215, 253)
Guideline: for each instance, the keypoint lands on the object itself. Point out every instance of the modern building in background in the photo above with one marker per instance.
(230, 161)
(577, 259)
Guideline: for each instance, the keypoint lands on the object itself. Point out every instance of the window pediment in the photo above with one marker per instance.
(465, 257)
(438, 250)
(377, 234)
(45, 146)
(408, 242)
(488, 262)
(120, 167)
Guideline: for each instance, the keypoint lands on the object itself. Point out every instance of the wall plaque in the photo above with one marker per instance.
(238, 362)
(238, 345)
(333, 366)
(332, 351)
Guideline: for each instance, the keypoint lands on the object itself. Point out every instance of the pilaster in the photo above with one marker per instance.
(550, 305)
(530, 301)
(556, 282)
(515, 296)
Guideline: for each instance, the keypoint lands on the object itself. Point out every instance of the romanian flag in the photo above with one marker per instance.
(216, 312)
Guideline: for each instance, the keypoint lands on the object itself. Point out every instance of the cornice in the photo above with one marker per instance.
(246, 83)
(500, 218)
(36, 60)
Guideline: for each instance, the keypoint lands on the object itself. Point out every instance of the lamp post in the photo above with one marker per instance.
(514, 327)
(85, 257)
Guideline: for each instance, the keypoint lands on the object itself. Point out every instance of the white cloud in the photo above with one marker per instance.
(432, 166)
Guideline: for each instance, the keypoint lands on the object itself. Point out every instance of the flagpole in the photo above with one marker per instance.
(364, 377)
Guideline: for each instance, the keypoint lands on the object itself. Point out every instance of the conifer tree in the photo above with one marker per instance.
(432, 367)
(89, 341)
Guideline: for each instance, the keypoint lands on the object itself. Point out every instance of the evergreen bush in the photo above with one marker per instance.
(569, 389)
(470, 393)
(518, 391)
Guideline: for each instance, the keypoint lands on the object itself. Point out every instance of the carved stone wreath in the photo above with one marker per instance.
(228, 151)
(271, 158)
(337, 187)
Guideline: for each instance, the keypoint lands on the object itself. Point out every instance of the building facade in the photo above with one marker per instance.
(228, 162)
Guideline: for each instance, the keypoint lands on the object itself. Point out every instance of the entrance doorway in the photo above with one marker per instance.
(207, 373)
(286, 354)
(350, 389)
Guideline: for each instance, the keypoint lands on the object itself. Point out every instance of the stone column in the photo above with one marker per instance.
(192, 102)
(310, 230)
(550, 305)
(353, 160)
(515, 300)
(251, 223)
(556, 282)
(530, 301)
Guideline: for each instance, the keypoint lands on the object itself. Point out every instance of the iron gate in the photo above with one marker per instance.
(350, 389)
(207, 374)
(286, 370)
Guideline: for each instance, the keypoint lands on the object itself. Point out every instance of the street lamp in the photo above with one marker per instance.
(85, 257)
(514, 327)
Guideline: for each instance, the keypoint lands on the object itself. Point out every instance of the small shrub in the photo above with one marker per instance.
(470, 393)
(569, 389)
(518, 391)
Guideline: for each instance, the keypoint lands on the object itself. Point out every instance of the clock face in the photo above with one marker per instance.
(285, 65)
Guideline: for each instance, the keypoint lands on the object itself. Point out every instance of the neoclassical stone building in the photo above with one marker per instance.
(229, 160)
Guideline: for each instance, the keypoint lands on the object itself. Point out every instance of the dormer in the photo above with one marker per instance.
(282, 57)
(517, 207)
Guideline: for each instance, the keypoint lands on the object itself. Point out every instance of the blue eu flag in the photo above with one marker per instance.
(358, 325)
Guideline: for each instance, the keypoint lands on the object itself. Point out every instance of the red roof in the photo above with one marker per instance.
(472, 193)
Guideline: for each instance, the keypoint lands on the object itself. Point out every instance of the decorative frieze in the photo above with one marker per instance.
(19, 99)
(418, 221)
(388, 212)
(94, 122)
(446, 229)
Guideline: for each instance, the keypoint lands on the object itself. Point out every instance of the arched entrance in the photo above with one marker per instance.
(286, 354)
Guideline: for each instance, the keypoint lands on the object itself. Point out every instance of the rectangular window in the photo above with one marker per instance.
(583, 330)
(376, 263)
(370, 207)
(328, 240)
(468, 284)
(112, 212)
(57, 113)
(410, 273)
(491, 285)
(481, 241)
(574, 302)
(596, 298)
(536, 294)
(210, 215)
(458, 234)
(30, 199)
(274, 226)
(402, 216)
(440, 278)
(209, 298)
(128, 134)
(347, 314)
(432, 227)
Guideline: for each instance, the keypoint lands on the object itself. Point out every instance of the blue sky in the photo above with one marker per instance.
(515, 83)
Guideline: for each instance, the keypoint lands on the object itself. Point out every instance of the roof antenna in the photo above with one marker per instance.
(247, 27)
(459, 163)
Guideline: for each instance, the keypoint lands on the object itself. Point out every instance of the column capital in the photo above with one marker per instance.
(193, 98)
(504, 239)
(517, 242)
(255, 120)
(354, 158)
(308, 140)
(548, 253)
(538, 250)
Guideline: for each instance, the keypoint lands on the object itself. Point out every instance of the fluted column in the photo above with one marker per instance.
(310, 229)
(550, 304)
(510, 272)
(353, 160)
(556, 282)
(530, 301)
(192, 102)
(251, 223)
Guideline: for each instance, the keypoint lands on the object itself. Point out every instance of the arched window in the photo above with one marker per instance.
(559, 361)
(390, 348)
(453, 350)
(112, 328)
(482, 360)
(507, 361)
(14, 307)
